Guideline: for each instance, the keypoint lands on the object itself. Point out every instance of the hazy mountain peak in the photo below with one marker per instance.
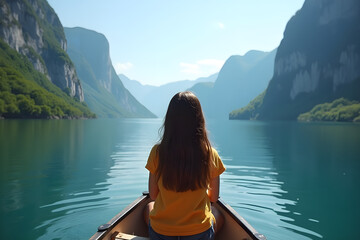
(246, 61)
(156, 98)
(254, 55)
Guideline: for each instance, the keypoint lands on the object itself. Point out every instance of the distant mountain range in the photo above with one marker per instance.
(103, 90)
(318, 61)
(314, 74)
(240, 79)
(157, 98)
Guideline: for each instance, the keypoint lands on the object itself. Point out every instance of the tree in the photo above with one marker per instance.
(2, 107)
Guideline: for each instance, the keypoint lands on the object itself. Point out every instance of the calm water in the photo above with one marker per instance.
(61, 179)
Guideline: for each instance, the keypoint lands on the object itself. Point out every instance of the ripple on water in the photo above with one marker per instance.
(127, 178)
(256, 194)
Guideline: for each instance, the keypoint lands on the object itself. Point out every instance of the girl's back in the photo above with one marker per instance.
(184, 173)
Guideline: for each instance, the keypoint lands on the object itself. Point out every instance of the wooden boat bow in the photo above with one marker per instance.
(129, 222)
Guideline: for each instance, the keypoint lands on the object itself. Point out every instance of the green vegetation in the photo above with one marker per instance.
(250, 111)
(26, 93)
(339, 110)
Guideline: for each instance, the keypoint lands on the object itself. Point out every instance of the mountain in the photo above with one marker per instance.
(37, 78)
(103, 90)
(318, 61)
(203, 91)
(136, 88)
(33, 29)
(240, 79)
(157, 98)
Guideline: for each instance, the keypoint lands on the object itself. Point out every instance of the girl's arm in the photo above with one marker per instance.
(213, 191)
(153, 187)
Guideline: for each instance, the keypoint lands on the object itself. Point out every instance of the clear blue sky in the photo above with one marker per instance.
(161, 41)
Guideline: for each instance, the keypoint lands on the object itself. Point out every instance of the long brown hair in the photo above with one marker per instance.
(184, 150)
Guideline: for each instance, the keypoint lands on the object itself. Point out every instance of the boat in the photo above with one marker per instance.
(129, 224)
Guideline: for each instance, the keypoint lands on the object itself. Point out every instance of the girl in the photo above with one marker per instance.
(184, 176)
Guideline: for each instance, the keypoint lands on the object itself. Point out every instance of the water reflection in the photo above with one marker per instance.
(319, 166)
(121, 180)
(54, 175)
(252, 183)
(61, 179)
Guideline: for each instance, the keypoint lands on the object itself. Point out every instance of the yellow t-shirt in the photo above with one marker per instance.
(182, 213)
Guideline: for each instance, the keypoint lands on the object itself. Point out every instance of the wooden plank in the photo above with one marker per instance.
(124, 236)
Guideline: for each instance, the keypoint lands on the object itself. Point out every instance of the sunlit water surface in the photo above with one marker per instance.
(61, 179)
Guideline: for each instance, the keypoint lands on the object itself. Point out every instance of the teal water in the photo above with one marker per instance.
(60, 179)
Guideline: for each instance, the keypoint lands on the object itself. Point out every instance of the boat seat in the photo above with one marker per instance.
(125, 236)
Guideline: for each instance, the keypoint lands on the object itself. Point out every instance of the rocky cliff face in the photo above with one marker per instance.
(317, 61)
(32, 28)
(104, 92)
(94, 47)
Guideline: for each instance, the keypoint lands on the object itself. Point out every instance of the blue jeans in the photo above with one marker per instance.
(207, 235)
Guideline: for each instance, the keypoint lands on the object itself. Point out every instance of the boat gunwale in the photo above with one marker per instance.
(240, 220)
(145, 196)
(120, 216)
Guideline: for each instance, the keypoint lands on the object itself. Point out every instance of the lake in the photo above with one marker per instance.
(60, 179)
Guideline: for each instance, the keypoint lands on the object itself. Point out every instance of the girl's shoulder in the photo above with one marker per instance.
(215, 154)
(154, 151)
(152, 161)
(214, 151)
(217, 166)
(155, 147)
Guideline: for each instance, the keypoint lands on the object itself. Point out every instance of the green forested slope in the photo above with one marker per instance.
(249, 111)
(339, 110)
(26, 93)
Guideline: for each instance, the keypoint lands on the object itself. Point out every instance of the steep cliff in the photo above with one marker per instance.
(103, 90)
(32, 28)
(317, 61)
